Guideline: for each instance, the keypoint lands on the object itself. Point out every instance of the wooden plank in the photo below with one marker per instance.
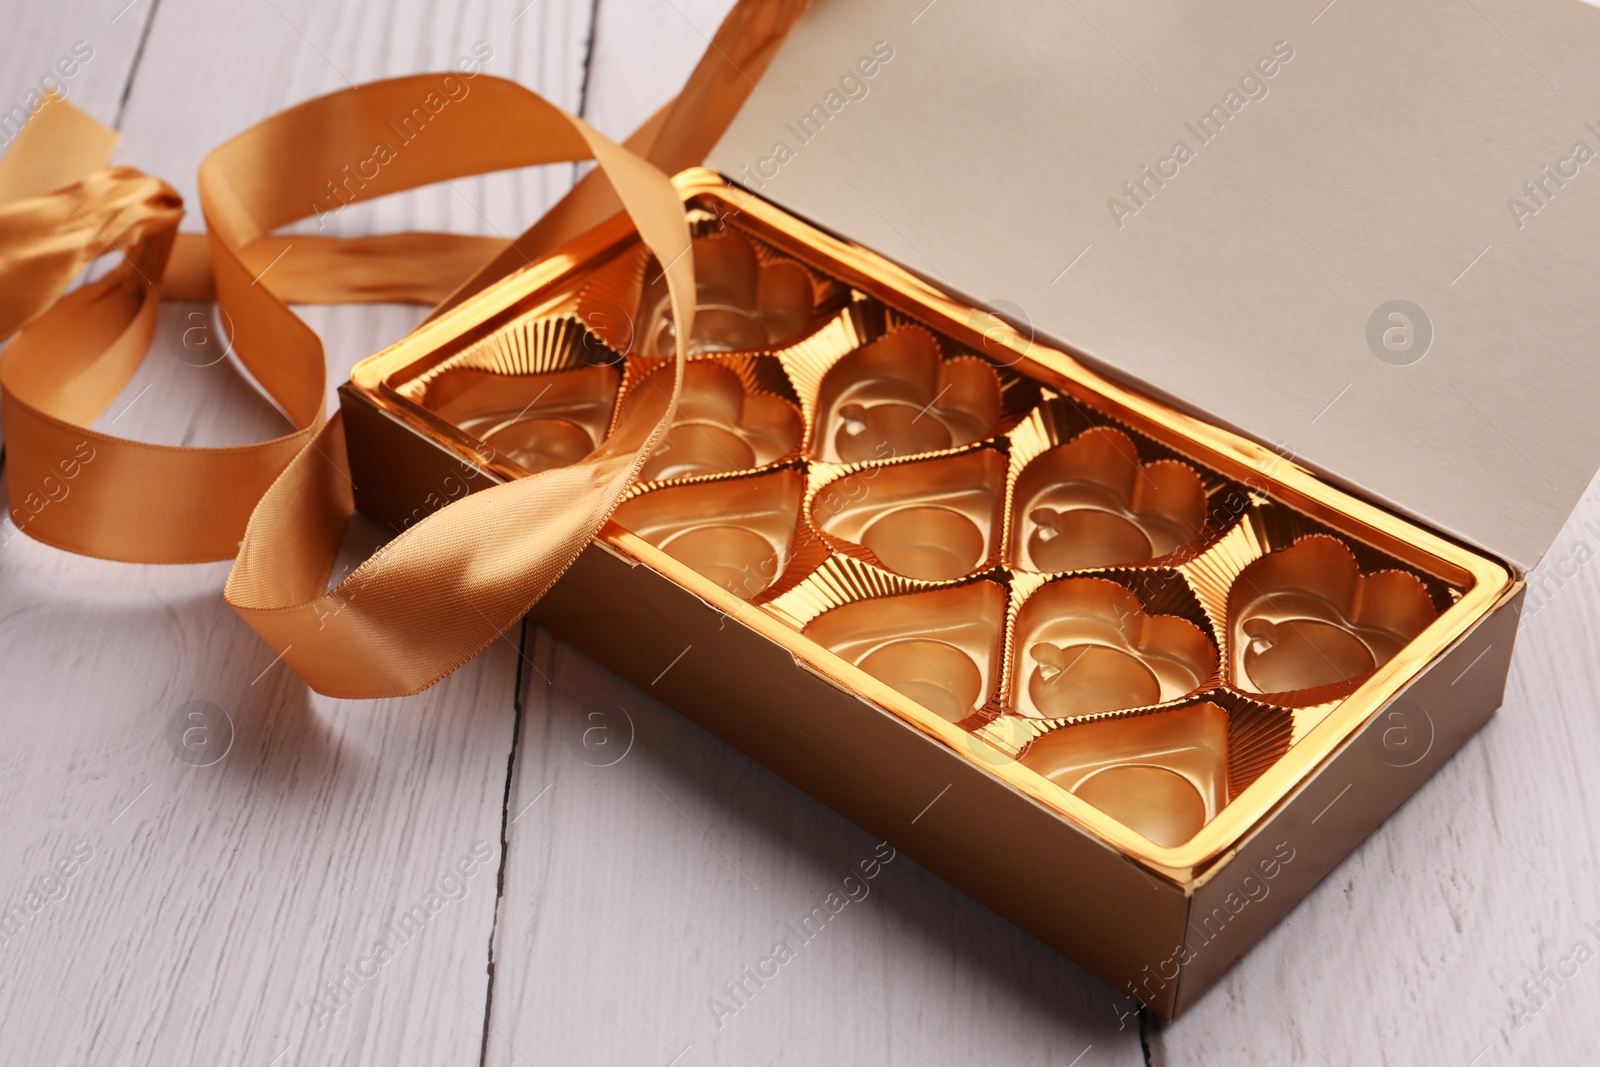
(643, 53)
(96, 42)
(209, 907)
(297, 50)
(649, 865)
(205, 907)
(215, 902)
(1452, 935)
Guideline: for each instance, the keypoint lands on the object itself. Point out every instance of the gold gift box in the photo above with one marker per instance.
(1130, 679)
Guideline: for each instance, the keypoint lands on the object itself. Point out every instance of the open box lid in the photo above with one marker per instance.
(1334, 161)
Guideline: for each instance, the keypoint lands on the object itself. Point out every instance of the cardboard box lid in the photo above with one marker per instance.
(1370, 153)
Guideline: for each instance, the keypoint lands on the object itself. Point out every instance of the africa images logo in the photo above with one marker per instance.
(1537, 192)
(1399, 332)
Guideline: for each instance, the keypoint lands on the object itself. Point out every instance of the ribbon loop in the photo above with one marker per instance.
(447, 586)
(450, 584)
(444, 588)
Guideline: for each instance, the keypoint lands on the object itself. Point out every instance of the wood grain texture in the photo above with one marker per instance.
(216, 901)
(215, 909)
(647, 864)
(38, 36)
(638, 890)
(643, 52)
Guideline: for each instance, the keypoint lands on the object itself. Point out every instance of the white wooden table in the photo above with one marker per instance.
(228, 913)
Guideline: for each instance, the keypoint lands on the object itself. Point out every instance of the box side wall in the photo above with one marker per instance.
(1023, 861)
(1348, 798)
(400, 476)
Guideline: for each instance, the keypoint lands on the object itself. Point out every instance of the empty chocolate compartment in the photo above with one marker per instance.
(539, 393)
(1091, 503)
(941, 648)
(720, 426)
(1305, 625)
(1163, 775)
(1087, 646)
(897, 396)
(934, 520)
(741, 303)
(740, 532)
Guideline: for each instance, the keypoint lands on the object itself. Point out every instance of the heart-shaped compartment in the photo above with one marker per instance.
(941, 648)
(934, 520)
(1163, 775)
(1085, 646)
(539, 392)
(740, 533)
(539, 421)
(718, 428)
(897, 397)
(1306, 625)
(741, 304)
(1092, 503)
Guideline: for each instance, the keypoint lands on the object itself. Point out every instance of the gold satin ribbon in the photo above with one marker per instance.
(441, 591)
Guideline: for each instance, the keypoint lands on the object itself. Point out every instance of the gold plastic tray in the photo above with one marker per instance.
(1151, 625)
